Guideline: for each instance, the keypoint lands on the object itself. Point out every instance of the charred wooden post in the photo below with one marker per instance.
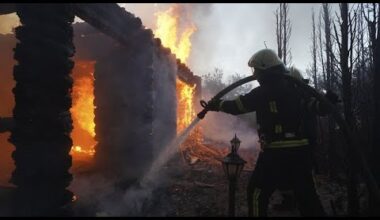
(7, 8)
(164, 97)
(123, 114)
(42, 118)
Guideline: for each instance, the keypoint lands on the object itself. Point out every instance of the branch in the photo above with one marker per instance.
(334, 58)
(337, 38)
(366, 17)
(339, 76)
(353, 63)
(352, 32)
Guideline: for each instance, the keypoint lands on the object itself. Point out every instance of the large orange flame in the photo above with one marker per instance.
(82, 110)
(167, 29)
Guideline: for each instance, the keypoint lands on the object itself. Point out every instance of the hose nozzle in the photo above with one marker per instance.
(203, 113)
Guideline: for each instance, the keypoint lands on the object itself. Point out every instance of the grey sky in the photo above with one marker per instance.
(228, 34)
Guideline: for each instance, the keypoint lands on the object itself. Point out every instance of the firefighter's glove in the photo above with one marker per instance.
(214, 105)
(332, 97)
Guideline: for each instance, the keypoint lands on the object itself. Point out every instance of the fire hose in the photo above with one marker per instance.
(352, 142)
(226, 90)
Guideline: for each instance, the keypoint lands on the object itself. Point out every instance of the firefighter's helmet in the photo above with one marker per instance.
(263, 60)
(296, 73)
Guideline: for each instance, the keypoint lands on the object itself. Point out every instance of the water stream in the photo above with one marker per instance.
(136, 196)
(167, 153)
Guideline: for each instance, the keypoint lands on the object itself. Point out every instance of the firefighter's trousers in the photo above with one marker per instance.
(285, 169)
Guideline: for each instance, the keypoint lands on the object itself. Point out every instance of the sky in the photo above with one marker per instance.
(228, 34)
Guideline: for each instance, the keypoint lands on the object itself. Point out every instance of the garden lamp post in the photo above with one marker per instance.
(233, 165)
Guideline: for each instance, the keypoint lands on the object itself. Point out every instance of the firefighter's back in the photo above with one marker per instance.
(280, 114)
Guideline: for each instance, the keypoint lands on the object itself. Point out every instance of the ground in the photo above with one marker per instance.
(193, 187)
(201, 189)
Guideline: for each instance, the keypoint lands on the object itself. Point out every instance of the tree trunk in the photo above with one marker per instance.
(374, 205)
(314, 53)
(353, 203)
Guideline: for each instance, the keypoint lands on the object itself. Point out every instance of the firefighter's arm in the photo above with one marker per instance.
(242, 104)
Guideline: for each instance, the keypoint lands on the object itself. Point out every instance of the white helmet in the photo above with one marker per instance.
(264, 59)
(296, 73)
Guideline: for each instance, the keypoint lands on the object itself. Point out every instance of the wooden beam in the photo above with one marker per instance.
(7, 8)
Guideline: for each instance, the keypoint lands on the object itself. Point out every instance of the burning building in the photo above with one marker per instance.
(106, 91)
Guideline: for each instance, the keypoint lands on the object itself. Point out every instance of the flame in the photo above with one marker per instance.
(185, 107)
(167, 29)
(82, 109)
(78, 149)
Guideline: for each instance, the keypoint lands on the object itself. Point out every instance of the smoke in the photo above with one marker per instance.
(218, 128)
(221, 127)
(101, 196)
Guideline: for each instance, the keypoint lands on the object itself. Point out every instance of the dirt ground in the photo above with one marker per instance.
(201, 190)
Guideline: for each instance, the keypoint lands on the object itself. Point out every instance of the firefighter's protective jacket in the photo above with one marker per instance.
(280, 110)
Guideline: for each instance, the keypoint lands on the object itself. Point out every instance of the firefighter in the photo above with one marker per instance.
(286, 158)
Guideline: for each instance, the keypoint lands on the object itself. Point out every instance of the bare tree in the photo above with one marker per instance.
(372, 17)
(212, 82)
(328, 84)
(376, 86)
(279, 33)
(345, 41)
(283, 32)
(328, 45)
(243, 89)
(321, 51)
(362, 84)
(314, 48)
